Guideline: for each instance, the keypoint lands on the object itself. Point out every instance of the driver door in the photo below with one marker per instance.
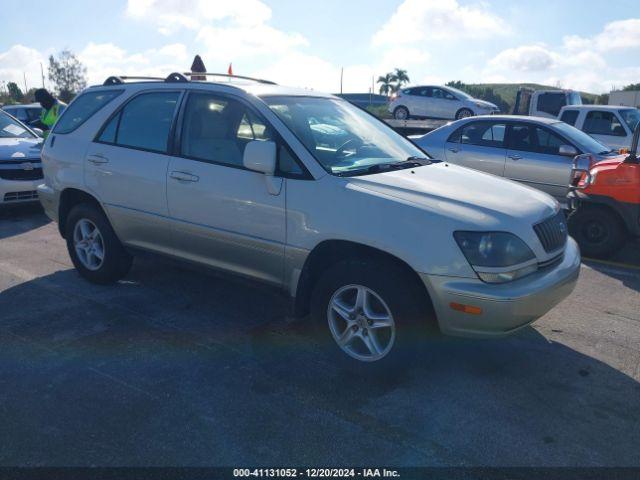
(223, 214)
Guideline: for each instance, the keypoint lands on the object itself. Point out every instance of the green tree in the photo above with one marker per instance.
(387, 85)
(632, 86)
(14, 91)
(401, 78)
(68, 74)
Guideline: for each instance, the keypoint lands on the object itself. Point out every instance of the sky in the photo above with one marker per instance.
(589, 45)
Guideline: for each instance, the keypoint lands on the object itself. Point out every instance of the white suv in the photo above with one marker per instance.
(308, 193)
(437, 102)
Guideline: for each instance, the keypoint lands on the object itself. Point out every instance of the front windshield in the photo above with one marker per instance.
(9, 128)
(340, 136)
(631, 117)
(585, 142)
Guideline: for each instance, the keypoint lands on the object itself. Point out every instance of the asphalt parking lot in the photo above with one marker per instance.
(179, 367)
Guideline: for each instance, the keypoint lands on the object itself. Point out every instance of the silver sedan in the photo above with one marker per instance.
(532, 150)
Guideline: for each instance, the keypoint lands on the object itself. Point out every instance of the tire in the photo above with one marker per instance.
(115, 261)
(401, 113)
(385, 285)
(464, 113)
(599, 231)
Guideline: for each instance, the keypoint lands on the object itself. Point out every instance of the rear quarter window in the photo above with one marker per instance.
(83, 108)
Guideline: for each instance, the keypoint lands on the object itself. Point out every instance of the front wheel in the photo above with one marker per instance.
(463, 113)
(370, 312)
(94, 247)
(599, 231)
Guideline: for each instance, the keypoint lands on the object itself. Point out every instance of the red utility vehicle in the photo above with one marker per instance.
(605, 199)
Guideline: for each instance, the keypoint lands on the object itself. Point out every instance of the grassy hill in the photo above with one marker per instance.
(508, 91)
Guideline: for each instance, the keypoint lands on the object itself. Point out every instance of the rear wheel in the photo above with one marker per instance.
(463, 113)
(371, 313)
(598, 230)
(93, 246)
(401, 113)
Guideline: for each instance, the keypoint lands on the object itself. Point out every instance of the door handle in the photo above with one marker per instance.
(184, 176)
(454, 150)
(97, 159)
(515, 157)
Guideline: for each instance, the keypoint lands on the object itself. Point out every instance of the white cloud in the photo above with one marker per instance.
(418, 20)
(617, 35)
(527, 58)
(172, 15)
(245, 41)
(19, 62)
(105, 59)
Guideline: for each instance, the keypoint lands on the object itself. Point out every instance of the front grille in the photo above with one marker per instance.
(552, 232)
(21, 174)
(16, 196)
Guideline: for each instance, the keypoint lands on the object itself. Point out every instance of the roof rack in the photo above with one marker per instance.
(119, 80)
(226, 75)
(176, 77)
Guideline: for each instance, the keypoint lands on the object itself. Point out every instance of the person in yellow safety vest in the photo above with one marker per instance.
(52, 108)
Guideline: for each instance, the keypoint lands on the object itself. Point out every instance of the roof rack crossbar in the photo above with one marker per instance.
(118, 80)
(226, 75)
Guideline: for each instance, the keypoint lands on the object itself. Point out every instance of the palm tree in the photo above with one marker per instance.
(386, 84)
(401, 77)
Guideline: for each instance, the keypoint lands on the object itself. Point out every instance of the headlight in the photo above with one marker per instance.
(496, 257)
(482, 105)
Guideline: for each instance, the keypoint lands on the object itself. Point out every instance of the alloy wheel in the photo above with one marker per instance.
(361, 323)
(88, 244)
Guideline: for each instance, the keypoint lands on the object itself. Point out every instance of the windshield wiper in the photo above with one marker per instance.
(411, 162)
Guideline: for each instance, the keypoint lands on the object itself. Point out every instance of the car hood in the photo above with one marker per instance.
(15, 149)
(484, 103)
(467, 196)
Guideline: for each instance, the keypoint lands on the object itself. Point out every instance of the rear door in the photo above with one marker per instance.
(126, 168)
(223, 214)
(533, 159)
(479, 144)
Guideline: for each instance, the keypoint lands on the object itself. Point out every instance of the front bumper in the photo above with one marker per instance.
(504, 307)
(18, 191)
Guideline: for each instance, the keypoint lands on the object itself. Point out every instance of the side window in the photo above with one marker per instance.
(600, 122)
(144, 122)
(484, 134)
(569, 116)
(217, 129)
(437, 93)
(551, 102)
(520, 138)
(548, 142)
(82, 108)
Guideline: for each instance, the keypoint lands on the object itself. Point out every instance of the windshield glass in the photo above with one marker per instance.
(585, 142)
(459, 93)
(9, 128)
(574, 99)
(340, 136)
(631, 117)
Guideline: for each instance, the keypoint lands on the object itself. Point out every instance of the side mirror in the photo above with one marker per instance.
(260, 156)
(38, 131)
(567, 151)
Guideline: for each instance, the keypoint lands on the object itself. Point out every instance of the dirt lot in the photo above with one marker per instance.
(176, 367)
